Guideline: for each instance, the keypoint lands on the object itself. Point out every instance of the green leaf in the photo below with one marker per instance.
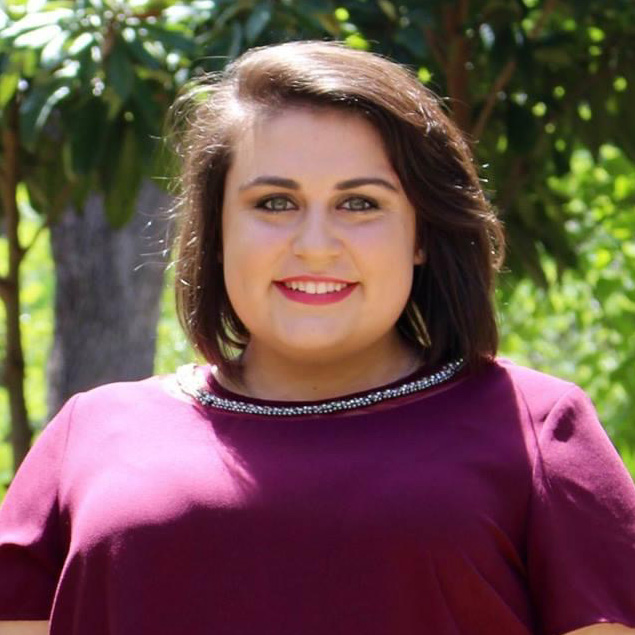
(37, 20)
(224, 18)
(257, 22)
(146, 103)
(412, 40)
(87, 66)
(504, 47)
(51, 54)
(139, 52)
(38, 37)
(80, 43)
(36, 108)
(358, 41)
(70, 70)
(121, 196)
(171, 39)
(46, 181)
(54, 98)
(236, 41)
(120, 70)
(87, 125)
(389, 10)
(8, 85)
(521, 128)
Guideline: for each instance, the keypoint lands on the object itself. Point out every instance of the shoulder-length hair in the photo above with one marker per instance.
(450, 312)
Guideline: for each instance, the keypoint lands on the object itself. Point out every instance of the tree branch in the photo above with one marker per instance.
(501, 81)
(434, 47)
(456, 69)
(38, 231)
(5, 288)
(547, 10)
(504, 77)
(464, 11)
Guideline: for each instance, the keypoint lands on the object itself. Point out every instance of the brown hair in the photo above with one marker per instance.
(450, 313)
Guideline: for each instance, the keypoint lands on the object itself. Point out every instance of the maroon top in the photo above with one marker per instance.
(494, 503)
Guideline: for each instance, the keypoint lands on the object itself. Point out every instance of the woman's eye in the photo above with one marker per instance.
(276, 204)
(358, 204)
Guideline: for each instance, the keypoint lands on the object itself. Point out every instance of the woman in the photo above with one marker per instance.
(354, 459)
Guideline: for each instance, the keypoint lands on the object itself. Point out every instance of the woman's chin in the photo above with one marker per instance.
(325, 348)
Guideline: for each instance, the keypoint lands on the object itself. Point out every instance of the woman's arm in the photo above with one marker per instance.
(24, 628)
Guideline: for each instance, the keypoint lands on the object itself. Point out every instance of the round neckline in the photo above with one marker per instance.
(200, 383)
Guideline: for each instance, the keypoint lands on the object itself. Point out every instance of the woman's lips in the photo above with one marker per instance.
(330, 297)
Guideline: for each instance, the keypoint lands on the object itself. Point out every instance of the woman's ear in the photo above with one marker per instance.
(419, 257)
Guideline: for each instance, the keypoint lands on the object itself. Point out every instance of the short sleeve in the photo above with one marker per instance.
(581, 532)
(31, 542)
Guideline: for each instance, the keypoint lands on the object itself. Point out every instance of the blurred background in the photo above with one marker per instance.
(543, 89)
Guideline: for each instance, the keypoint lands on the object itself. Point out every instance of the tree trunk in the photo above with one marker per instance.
(107, 298)
(10, 293)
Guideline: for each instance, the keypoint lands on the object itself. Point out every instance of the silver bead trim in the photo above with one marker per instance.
(186, 378)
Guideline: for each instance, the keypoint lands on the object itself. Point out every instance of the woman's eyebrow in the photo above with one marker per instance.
(277, 181)
(290, 184)
(368, 180)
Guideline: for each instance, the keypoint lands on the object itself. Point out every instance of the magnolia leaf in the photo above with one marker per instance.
(51, 54)
(121, 196)
(46, 181)
(69, 70)
(389, 9)
(236, 41)
(257, 22)
(521, 128)
(54, 98)
(38, 37)
(87, 125)
(140, 53)
(171, 39)
(228, 14)
(36, 20)
(412, 40)
(80, 43)
(36, 108)
(8, 85)
(146, 103)
(120, 70)
(27, 61)
(180, 13)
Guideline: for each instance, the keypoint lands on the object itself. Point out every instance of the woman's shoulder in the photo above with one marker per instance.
(530, 379)
(151, 396)
(537, 392)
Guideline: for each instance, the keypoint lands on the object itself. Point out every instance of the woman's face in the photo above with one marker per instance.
(318, 236)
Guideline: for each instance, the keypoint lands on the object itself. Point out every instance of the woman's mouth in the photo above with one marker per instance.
(315, 287)
(314, 291)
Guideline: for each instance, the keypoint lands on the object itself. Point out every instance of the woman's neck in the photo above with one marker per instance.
(267, 375)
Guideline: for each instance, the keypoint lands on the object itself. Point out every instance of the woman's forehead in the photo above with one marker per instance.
(310, 142)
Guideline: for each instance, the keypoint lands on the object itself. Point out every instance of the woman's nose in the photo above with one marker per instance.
(316, 237)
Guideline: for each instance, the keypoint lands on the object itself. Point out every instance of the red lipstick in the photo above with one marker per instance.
(330, 297)
(315, 279)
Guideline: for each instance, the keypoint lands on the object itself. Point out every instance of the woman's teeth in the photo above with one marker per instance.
(313, 287)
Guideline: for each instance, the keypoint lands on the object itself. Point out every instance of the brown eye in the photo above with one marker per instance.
(359, 204)
(276, 204)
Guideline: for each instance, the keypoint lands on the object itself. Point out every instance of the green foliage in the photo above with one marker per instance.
(95, 80)
(173, 349)
(581, 326)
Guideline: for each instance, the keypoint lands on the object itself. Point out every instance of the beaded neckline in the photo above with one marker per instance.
(189, 383)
